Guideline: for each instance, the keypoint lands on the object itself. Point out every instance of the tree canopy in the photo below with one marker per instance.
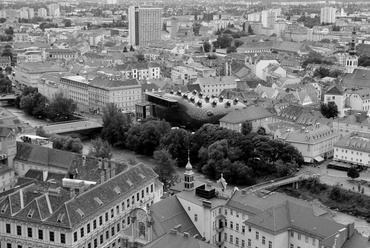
(165, 167)
(115, 125)
(100, 149)
(353, 173)
(329, 110)
(66, 143)
(61, 108)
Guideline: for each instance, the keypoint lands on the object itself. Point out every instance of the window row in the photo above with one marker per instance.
(31, 232)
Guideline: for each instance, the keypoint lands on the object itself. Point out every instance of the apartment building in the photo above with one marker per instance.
(337, 95)
(354, 122)
(353, 148)
(315, 142)
(34, 215)
(215, 85)
(61, 53)
(182, 74)
(144, 25)
(28, 74)
(140, 71)
(328, 15)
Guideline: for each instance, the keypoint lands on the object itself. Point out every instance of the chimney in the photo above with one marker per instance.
(173, 231)
(45, 174)
(100, 163)
(83, 160)
(21, 197)
(102, 176)
(107, 173)
(186, 234)
(106, 164)
(113, 168)
(178, 228)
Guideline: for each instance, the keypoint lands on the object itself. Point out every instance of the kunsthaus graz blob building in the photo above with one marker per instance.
(191, 109)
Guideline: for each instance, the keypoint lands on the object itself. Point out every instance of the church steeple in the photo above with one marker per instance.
(352, 58)
(189, 175)
(352, 51)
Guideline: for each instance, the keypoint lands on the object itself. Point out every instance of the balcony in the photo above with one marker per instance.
(220, 229)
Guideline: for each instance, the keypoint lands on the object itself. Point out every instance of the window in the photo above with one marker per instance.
(51, 236)
(249, 229)
(237, 227)
(237, 241)
(128, 203)
(313, 242)
(291, 246)
(100, 220)
(142, 194)
(82, 232)
(263, 240)
(95, 243)
(112, 231)
(41, 234)
(195, 217)
(101, 239)
(137, 196)
(243, 229)
(225, 236)
(75, 237)
(118, 227)
(249, 242)
(270, 244)
(151, 188)
(231, 225)
(88, 228)
(62, 238)
(231, 212)
(189, 208)
(19, 230)
(29, 232)
(243, 243)
(231, 239)
(8, 229)
(257, 235)
(299, 236)
(8, 245)
(94, 224)
(112, 213)
(106, 216)
(117, 209)
(306, 239)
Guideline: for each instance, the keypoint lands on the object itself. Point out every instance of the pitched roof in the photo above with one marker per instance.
(104, 82)
(335, 90)
(44, 155)
(297, 217)
(248, 114)
(178, 240)
(359, 78)
(61, 210)
(169, 213)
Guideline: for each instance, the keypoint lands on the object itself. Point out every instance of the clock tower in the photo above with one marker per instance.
(352, 58)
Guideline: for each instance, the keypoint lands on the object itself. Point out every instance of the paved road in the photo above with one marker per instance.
(71, 126)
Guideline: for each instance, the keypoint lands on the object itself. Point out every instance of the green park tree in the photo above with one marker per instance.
(66, 143)
(100, 149)
(115, 125)
(353, 173)
(165, 167)
(329, 110)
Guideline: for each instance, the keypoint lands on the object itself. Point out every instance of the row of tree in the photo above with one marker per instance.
(34, 103)
(241, 157)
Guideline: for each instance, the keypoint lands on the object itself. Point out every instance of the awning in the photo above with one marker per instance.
(319, 159)
(307, 160)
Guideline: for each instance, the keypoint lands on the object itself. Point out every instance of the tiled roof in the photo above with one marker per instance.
(359, 78)
(248, 114)
(169, 213)
(44, 155)
(358, 142)
(335, 90)
(310, 135)
(104, 82)
(62, 210)
(41, 67)
(178, 240)
(293, 216)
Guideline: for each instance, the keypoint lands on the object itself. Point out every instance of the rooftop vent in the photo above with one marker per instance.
(60, 218)
(185, 95)
(79, 211)
(199, 103)
(30, 213)
(4, 208)
(98, 200)
(214, 103)
(179, 92)
(192, 98)
(117, 190)
(171, 92)
(195, 92)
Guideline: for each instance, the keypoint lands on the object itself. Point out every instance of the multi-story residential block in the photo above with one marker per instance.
(268, 18)
(39, 215)
(7, 179)
(49, 86)
(140, 71)
(353, 148)
(21, 37)
(28, 74)
(41, 12)
(328, 15)
(95, 94)
(31, 56)
(354, 122)
(257, 116)
(61, 53)
(359, 99)
(215, 85)
(144, 25)
(54, 10)
(183, 75)
(315, 142)
(337, 95)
